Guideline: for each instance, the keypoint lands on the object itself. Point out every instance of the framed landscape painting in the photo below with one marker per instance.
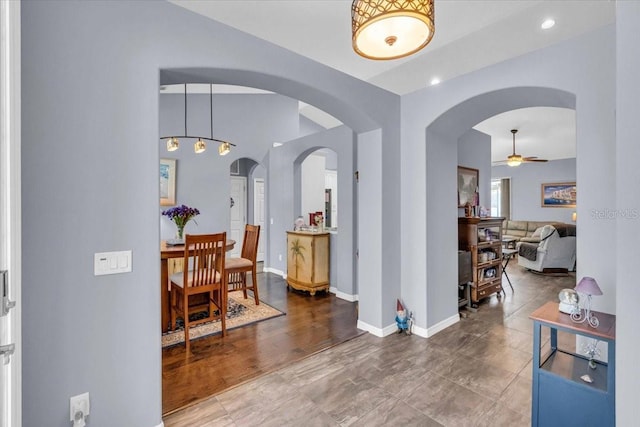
(167, 182)
(467, 186)
(559, 195)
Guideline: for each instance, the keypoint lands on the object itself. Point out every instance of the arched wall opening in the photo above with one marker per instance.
(279, 210)
(339, 144)
(313, 171)
(441, 139)
(370, 124)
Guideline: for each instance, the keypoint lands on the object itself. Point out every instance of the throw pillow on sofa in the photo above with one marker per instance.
(537, 233)
(535, 237)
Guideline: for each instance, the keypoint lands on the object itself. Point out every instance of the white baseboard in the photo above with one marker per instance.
(387, 330)
(429, 332)
(275, 271)
(342, 295)
(421, 332)
(415, 330)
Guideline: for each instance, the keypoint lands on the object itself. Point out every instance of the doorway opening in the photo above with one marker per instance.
(247, 202)
(319, 187)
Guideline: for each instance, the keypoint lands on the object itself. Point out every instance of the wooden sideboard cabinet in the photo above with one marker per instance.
(560, 395)
(308, 261)
(483, 238)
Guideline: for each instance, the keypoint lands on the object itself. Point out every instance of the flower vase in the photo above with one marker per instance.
(180, 234)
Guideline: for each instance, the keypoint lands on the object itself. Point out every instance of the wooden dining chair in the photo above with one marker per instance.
(237, 268)
(205, 257)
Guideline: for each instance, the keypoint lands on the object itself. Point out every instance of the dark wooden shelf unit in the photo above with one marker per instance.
(482, 236)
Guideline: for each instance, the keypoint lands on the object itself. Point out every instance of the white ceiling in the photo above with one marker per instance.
(470, 34)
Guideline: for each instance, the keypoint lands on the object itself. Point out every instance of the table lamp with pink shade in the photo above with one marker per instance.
(587, 286)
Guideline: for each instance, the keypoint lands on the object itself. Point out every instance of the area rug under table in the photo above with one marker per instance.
(240, 312)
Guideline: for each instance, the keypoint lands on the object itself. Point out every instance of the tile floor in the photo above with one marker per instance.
(475, 373)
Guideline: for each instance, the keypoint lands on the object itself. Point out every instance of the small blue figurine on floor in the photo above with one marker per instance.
(401, 318)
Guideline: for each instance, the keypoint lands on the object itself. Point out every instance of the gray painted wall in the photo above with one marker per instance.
(90, 103)
(308, 126)
(526, 182)
(628, 201)
(474, 151)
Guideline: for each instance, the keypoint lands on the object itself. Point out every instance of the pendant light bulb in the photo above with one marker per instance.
(200, 146)
(173, 144)
(224, 148)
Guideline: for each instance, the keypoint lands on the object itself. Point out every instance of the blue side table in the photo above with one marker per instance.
(559, 396)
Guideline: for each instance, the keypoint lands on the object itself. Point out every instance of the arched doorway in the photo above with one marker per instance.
(247, 200)
(441, 139)
(318, 174)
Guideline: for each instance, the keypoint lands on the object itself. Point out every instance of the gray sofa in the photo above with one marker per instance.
(524, 231)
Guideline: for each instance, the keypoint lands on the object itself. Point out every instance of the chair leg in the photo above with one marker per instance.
(224, 290)
(254, 279)
(185, 316)
(244, 283)
(173, 309)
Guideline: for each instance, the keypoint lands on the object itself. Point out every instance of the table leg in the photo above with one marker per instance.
(504, 271)
(164, 295)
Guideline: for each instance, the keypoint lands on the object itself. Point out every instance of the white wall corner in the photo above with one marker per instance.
(421, 332)
(387, 330)
(342, 295)
(275, 271)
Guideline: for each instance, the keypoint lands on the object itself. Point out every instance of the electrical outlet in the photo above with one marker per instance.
(79, 408)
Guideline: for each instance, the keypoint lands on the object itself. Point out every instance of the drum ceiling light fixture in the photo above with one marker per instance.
(391, 29)
(173, 142)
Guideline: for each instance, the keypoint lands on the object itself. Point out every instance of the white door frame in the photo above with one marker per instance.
(10, 200)
(243, 199)
(256, 215)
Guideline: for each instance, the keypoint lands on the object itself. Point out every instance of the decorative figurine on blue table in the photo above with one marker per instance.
(401, 318)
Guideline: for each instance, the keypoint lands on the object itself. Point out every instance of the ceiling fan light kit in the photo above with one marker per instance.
(391, 29)
(516, 159)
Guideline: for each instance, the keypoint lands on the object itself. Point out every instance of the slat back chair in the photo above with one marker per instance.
(237, 268)
(204, 255)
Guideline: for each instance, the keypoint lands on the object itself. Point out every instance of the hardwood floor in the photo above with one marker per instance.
(474, 373)
(311, 324)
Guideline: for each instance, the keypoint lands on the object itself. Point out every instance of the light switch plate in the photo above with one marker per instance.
(111, 263)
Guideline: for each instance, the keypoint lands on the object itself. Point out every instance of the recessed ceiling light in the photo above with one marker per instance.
(548, 23)
(277, 144)
(435, 81)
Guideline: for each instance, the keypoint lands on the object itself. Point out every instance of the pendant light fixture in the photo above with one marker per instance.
(173, 143)
(391, 29)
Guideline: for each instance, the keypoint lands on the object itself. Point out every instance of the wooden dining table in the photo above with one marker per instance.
(167, 252)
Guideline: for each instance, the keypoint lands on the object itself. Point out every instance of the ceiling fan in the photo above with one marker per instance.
(516, 159)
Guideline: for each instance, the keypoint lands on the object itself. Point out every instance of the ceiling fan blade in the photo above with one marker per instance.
(533, 159)
(499, 162)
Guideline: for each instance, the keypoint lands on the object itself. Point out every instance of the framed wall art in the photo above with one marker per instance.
(167, 182)
(558, 195)
(467, 186)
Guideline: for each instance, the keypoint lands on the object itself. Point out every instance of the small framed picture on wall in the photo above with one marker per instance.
(467, 186)
(167, 182)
